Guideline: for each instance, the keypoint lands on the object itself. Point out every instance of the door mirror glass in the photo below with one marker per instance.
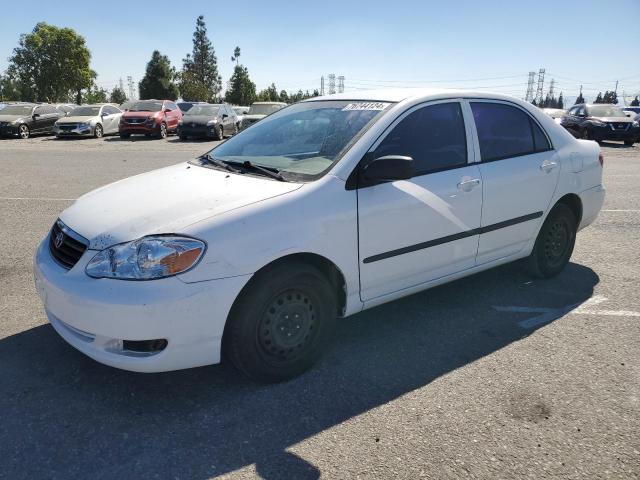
(36, 115)
(389, 168)
(224, 115)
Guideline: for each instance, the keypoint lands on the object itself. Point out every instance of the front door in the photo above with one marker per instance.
(519, 170)
(417, 230)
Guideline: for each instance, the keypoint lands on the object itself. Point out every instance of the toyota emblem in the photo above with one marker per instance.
(58, 240)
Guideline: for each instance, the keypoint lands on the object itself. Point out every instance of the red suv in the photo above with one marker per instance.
(150, 117)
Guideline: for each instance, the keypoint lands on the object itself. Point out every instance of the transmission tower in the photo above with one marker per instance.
(322, 85)
(341, 84)
(121, 84)
(540, 89)
(529, 95)
(551, 87)
(332, 83)
(130, 85)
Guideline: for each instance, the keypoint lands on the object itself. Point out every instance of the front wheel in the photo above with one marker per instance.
(23, 131)
(219, 133)
(281, 323)
(163, 131)
(554, 244)
(97, 131)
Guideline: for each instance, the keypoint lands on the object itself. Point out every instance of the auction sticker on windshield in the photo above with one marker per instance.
(366, 106)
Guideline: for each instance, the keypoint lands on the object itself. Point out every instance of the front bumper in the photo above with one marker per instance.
(197, 131)
(95, 316)
(139, 128)
(8, 130)
(608, 133)
(76, 131)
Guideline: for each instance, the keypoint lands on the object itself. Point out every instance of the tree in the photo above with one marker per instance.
(49, 63)
(158, 79)
(94, 95)
(315, 93)
(200, 80)
(236, 55)
(242, 90)
(284, 97)
(635, 102)
(117, 96)
(270, 94)
(580, 99)
(560, 103)
(599, 98)
(9, 89)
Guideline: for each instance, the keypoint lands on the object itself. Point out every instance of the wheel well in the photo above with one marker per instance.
(573, 201)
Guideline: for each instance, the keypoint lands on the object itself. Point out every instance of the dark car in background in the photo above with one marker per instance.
(601, 122)
(185, 106)
(24, 119)
(208, 121)
(259, 110)
(151, 118)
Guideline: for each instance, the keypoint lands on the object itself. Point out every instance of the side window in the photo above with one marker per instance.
(581, 111)
(503, 131)
(39, 110)
(434, 136)
(111, 110)
(172, 106)
(540, 140)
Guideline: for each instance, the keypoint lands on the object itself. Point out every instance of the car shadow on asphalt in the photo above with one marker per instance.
(615, 145)
(66, 416)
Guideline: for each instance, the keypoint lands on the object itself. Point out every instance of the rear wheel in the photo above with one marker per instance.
(23, 131)
(554, 243)
(281, 323)
(97, 132)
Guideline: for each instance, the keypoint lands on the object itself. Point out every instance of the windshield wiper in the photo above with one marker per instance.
(218, 163)
(268, 171)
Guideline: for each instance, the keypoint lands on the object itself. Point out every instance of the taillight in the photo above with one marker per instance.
(601, 159)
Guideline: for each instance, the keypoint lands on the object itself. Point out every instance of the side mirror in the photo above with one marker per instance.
(36, 115)
(104, 114)
(224, 115)
(389, 168)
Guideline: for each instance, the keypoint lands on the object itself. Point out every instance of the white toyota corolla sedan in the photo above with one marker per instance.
(321, 210)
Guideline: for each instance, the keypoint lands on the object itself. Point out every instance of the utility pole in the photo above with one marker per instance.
(616, 88)
(529, 95)
(322, 85)
(540, 89)
(551, 87)
(121, 84)
(341, 84)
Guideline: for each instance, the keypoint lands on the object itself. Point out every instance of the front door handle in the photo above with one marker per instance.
(548, 165)
(468, 184)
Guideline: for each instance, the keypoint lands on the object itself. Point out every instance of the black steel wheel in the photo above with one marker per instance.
(281, 322)
(555, 242)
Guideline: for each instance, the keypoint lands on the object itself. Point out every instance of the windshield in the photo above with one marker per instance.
(185, 106)
(605, 111)
(264, 109)
(17, 110)
(211, 110)
(85, 112)
(304, 139)
(146, 106)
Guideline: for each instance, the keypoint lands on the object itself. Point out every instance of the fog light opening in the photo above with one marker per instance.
(144, 346)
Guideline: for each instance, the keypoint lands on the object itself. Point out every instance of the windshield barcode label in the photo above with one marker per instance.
(366, 106)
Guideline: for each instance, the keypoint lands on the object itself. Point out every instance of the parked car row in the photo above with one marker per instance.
(152, 118)
(600, 122)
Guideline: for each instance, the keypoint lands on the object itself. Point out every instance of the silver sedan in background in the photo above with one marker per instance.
(89, 120)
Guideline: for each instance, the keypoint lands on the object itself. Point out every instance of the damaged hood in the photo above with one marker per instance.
(164, 201)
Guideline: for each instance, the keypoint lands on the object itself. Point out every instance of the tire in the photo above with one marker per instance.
(23, 131)
(124, 136)
(554, 244)
(281, 323)
(97, 131)
(162, 133)
(629, 143)
(236, 129)
(219, 133)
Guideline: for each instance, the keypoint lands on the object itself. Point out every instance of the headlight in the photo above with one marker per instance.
(151, 120)
(212, 122)
(84, 125)
(635, 124)
(147, 258)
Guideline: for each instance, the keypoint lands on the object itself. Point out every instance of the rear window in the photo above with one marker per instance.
(505, 131)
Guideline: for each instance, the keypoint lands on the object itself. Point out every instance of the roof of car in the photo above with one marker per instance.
(400, 94)
(268, 103)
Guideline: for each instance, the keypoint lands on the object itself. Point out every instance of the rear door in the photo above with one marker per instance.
(519, 170)
(417, 230)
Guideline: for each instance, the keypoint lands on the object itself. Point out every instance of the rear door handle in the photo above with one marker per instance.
(467, 185)
(548, 165)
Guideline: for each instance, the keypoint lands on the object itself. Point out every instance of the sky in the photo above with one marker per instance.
(489, 44)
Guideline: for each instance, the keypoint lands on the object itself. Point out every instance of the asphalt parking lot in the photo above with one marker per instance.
(492, 376)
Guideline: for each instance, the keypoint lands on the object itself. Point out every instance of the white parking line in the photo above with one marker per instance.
(546, 315)
(629, 210)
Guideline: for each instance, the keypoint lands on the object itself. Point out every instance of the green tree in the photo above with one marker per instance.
(635, 102)
(269, 94)
(315, 93)
(560, 103)
(94, 95)
(158, 81)
(200, 80)
(580, 99)
(236, 55)
(283, 96)
(242, 90)
(49, 63)
(117, 96)
(599, 98)
(9, 89)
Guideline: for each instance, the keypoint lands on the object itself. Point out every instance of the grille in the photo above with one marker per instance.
(65, 245)
(135, 120)
(67, 127)
(619, 126)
